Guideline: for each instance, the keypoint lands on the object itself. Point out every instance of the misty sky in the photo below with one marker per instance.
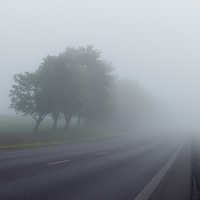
(154, 41)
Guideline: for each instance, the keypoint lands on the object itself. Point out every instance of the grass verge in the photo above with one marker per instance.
(15, 132)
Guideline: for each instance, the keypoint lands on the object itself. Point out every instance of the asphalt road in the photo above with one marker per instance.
(118, 168)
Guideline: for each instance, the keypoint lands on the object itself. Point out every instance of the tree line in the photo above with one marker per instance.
(75, 84)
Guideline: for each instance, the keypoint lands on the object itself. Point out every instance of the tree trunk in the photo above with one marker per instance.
(37, 124)
(55, 118)
(38, 121)
(54, 124)
(78, 122)
(68, 119)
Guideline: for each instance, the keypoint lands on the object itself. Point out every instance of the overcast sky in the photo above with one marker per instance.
(154, 41)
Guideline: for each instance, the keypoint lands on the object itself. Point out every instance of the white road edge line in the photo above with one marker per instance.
(58, 162)
(101, 153)
(151, 186)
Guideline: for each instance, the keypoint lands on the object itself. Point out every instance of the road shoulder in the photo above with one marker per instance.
(176, 184)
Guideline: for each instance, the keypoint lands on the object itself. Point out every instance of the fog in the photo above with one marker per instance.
(154, 42)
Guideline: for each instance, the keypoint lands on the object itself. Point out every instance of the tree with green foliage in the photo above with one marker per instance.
(66, 84)
(74, 84)
(29, 97)
(77, 94)
(98, 107)
(78, 82)
(54, 75)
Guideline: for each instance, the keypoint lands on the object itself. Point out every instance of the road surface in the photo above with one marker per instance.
(120, 168)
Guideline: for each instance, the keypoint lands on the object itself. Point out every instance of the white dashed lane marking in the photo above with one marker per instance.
(101, 153)
(58, 162)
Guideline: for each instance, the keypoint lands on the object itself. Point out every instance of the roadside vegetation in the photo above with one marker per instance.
(15, 132)
(72, 97)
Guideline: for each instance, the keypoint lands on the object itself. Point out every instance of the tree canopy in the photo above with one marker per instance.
(79, 84)
(75, 84)
(29, 98)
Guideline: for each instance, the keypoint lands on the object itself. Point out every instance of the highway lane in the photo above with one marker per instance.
(114, 168)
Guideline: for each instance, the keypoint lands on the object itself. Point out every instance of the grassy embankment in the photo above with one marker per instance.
(16, 132)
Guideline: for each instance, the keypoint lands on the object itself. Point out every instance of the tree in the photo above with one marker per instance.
(85, 83)
(133, 104)
(98, 107)
(76, 83)
(76, 95)
(29, 98)
(54, 75)
(65, 81)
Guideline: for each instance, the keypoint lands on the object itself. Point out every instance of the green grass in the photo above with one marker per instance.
(16, 132)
